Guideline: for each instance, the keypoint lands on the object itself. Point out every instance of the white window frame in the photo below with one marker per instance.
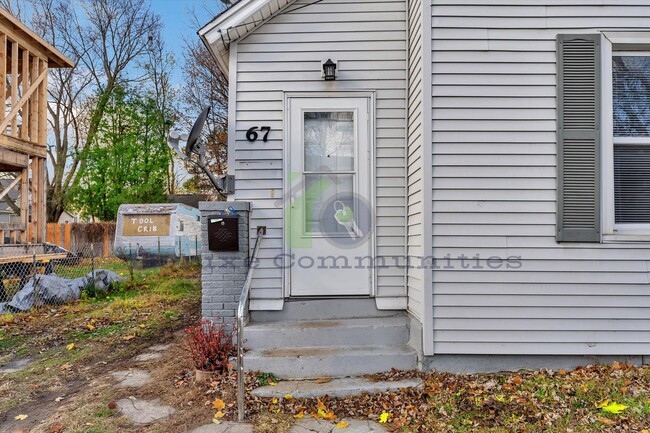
(624, 43)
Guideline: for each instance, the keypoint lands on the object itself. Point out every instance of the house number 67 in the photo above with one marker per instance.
(251, 134)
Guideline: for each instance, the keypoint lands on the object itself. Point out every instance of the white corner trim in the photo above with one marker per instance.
(232, 111)
(606, 139)
(427, 181)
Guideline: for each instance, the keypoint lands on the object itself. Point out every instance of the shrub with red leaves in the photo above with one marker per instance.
(210, 346)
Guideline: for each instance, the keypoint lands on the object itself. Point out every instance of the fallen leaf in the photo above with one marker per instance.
(320, 405)
(21, 417)
(383, 418)
(606, 421)
(55, 428)
(90, 326)
(288, 396)
(300, 414)
(329, 416)
(342, 424)
(219, 415)
(614, 408)
(65, 367)
(128, 337)
(218, 404)
(517, 380)
(141, 325)
(58, 399)
(274, 401)
(70, 346)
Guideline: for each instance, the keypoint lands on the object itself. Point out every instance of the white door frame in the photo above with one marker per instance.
(286, 169)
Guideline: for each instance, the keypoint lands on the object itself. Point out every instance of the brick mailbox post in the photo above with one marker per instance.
(224, 268)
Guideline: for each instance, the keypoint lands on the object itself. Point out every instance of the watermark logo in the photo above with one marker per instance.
(324, 205)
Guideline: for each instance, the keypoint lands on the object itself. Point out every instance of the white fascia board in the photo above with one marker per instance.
(238, 14)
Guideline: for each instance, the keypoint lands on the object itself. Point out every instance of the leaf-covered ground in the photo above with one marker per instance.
(72, 346)
(75, 347)
(604, 398)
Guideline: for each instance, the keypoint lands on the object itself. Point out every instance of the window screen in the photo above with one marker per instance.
(631, 110)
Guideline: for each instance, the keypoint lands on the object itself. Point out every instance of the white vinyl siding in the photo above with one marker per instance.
(415, 173)
(494, 189)
(367, 40)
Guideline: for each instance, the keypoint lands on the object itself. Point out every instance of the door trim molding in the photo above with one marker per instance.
(370, 96)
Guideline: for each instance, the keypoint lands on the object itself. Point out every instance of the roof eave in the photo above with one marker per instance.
(237, 15)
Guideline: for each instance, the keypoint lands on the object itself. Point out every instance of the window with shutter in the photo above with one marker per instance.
(578, 214)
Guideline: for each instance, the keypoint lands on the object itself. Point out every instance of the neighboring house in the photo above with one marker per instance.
(68, 218)
(501, 148)
(7, 213)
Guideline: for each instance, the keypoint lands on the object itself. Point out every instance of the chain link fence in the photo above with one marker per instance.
(36, 275)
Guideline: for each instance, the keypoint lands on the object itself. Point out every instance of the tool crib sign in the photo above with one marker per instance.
(146, 225)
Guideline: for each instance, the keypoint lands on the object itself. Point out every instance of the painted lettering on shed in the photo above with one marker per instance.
(146, 225)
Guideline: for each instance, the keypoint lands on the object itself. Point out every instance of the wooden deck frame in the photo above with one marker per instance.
(24, 62)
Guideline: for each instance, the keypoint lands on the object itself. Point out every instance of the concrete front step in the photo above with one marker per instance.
(373, 331)
(344, 387)
(324, 309)
(314, 362)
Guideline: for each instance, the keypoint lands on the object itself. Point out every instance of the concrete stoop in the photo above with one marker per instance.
(307, 349)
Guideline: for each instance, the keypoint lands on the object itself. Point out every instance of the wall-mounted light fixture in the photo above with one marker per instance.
(329, 70)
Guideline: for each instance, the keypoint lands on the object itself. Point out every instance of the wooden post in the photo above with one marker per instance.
(42, 107)
(14, 86)
(24, 128)
(24, 204)
(3, 72)
(33, 106)
(36, 234)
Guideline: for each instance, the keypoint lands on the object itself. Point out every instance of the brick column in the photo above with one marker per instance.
(223, 272)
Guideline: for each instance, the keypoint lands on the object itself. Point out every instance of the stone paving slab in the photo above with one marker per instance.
(305, 425)
(335, 388)
(147, 356)
(15, 366)
(131, 378)
(143, 411)
(161, 347)
(224, 427)
(311, 425)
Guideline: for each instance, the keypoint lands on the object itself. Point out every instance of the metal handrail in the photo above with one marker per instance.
(241, 315)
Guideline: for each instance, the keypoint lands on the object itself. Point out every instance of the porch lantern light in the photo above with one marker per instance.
(329, 70)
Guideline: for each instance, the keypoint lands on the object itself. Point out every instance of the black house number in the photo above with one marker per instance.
(252, 135)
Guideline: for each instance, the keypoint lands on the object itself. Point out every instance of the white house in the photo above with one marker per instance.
(492, 156)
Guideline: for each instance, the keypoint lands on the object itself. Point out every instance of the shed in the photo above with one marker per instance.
(170, 230)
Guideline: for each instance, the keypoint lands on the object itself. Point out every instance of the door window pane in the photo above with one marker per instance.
(329, 141)
(322, 190)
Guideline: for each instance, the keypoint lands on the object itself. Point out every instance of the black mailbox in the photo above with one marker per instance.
(223, 233)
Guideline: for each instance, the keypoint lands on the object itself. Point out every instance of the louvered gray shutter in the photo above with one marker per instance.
(578, 136)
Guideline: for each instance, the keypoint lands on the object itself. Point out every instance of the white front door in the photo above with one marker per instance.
(329, 223)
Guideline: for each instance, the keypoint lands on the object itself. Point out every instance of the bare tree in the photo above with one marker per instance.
(109, 40)
(205, 84)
